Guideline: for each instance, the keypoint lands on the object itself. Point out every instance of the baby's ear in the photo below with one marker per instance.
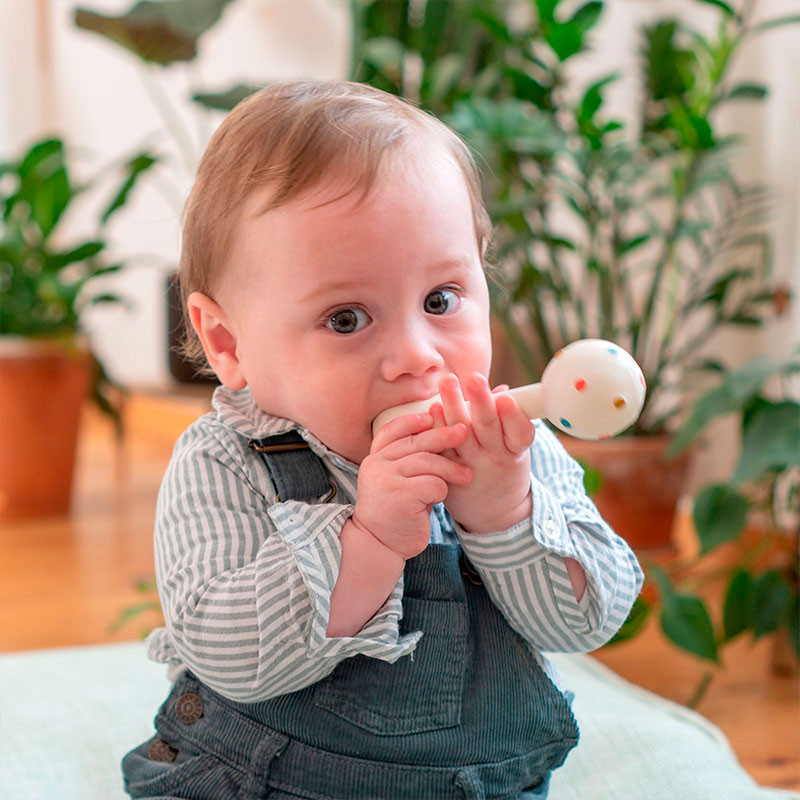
(218, 338)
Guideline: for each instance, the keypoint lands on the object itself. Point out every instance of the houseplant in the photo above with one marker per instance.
(748, 527)
(45, 359)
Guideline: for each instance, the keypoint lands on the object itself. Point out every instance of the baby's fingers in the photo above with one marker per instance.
(400, 427)
(418, 464)
(518, 430)
(485, 420)
(433, 441)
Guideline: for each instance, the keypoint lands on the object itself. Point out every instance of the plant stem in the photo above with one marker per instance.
(171, 119)
(701, 689)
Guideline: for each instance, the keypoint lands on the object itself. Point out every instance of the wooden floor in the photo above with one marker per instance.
(64, 580)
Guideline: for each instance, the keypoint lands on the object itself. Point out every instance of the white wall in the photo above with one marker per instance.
(56, 77)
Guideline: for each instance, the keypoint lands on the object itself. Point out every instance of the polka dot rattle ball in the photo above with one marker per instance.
(591, 389)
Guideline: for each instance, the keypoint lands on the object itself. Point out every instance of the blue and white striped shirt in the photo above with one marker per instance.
(245, 581)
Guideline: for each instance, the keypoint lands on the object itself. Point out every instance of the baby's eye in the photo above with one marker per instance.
(347, 320)
(440, 301)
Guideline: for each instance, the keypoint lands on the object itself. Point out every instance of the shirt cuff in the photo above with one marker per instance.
(311, 532)
(545, 530)
(544, 536)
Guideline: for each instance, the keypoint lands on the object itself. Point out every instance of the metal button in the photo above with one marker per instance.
(469, 572)
(189, 708)
(550, 529)
(159, 750)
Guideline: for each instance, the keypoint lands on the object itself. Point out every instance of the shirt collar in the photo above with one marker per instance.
(237, 412)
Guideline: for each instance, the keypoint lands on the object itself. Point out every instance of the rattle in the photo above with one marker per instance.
(591, 389)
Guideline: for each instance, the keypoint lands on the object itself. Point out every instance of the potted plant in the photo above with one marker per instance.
(754, 515)
(46, 362)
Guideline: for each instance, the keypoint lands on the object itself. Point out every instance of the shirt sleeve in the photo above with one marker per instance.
(523, 567)
(245, 582)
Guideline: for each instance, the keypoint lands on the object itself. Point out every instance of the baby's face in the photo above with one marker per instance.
(344, 310)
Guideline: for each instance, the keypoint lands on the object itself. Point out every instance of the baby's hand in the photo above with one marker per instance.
(404, 474)
(500, 436)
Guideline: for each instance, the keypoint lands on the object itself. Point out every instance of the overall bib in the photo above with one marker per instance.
(468, 715)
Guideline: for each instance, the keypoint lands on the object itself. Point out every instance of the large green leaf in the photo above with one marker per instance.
(720, 513)
(736, 390)
(738, 611)
(159, 32)
(685, 620)
(43, 186)
(772, 597)
(771, 440)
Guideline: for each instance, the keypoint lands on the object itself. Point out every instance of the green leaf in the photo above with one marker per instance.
(547, 9)
(627, 245)
(737, 389)
(592, 478)
(772, 599)
(565, 40)
(639, 613)
(723, 5)
(81, 253)
(493, 24)
(135, 167)
(746, 91)
(793, 622)
(49, 198)
(587, 16)
(667, 66)
(770, 441)
(593, 99)
(719, 513)
(225, 101)
(527, 88)
(775, 23)
(158, 32)
(739, 608)
(685, 620)
(38, 153)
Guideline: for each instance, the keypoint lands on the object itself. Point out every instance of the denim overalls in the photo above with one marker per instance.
(468, 715)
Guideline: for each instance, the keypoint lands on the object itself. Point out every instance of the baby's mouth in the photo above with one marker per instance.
(411, 407)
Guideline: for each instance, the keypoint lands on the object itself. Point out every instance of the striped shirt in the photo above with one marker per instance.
(245, 581)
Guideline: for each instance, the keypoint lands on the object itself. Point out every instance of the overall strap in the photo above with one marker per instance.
(296, 472)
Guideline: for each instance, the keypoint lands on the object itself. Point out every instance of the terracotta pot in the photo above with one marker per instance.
(640, 487)
(43, 387)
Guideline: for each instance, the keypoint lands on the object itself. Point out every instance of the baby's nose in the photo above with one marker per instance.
(410, 355)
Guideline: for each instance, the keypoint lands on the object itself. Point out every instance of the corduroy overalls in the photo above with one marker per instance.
(469, 714)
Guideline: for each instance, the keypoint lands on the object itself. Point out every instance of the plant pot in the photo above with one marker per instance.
(639, 488)
(43, 387)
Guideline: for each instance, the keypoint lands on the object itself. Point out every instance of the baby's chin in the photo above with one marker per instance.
(355, 450)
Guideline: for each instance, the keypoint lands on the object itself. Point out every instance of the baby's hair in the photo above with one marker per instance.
(292, 137)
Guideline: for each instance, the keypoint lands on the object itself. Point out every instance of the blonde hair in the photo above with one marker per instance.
(291, 137)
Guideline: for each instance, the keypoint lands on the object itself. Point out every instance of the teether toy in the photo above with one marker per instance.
(591, 389)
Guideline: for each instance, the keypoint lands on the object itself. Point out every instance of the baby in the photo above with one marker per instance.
(349, 617)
